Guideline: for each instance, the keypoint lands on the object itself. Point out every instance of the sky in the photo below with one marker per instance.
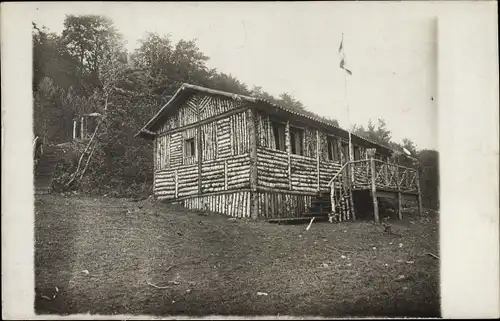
(390, 47)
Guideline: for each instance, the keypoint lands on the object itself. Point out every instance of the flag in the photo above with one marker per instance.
(342, 56)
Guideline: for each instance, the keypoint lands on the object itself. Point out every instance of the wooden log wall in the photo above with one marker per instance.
(162, 150)
(282, 204)
(303, 173)
(235, 204)
(176, 149)
(328, 169)
(283, 171)
(226, 174)
(224, 148)
(272, 169)
(179, 182)
(220, 179)
(240, 140)
(209, 106)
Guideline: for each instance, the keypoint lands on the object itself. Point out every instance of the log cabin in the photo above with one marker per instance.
(248, 157)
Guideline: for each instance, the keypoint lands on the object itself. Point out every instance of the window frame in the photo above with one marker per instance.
(279, 133)
(192, 147)
(332, 148)
(295, 130)
(356, 151)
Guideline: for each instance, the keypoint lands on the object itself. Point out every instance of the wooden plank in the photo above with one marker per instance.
(400, 213)
(206, 121)
(176, 184)
(374, 191)
(317, 160)
(288, 147)
(225, 175)
(252, 132)
(417, 178)
(155, 165)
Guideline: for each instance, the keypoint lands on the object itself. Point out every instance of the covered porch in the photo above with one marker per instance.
(372, 178)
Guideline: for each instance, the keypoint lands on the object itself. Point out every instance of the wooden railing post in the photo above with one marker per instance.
(252, 133)
(400, 214)
(176, 184)
(288, 147)
(374, 190)
(318, 146)
(417, 178)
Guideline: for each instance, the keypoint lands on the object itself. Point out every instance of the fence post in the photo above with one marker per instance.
(374, 190)
(417, 178)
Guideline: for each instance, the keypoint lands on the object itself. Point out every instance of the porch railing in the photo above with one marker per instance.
(359, 174)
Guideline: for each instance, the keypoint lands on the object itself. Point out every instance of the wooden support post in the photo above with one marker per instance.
(374, 190)
(318, 147)
(288, 147)
(225, 175)
(74, 129)
(252, 133)
(176, 184)
(81, 129)
(417, 178)
(400, 213)
(155, 163)
(199, 148)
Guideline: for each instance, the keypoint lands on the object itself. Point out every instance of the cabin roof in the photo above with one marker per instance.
(186, 90)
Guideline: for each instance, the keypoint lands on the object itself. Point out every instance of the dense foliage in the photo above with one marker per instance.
(87, 69)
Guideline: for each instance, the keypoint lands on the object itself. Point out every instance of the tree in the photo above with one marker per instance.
(258, 92)
(89, 39)
(287, 100)
(379, 134)
(51, 60)
(224, 82)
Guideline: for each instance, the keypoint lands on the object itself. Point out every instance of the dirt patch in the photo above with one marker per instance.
(120, 256)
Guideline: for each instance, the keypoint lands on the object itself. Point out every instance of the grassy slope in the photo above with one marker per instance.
(224, 263)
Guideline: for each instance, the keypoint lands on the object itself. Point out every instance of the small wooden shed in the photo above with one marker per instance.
(248, 157)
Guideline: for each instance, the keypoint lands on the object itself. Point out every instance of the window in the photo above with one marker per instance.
(333, 149)
(296, 141)
(345, 149)
(279, 135)
(357, 153)
(189, 148)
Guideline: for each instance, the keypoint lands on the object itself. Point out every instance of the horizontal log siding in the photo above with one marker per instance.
(235, 204)
(281, 204)
(187, 182)
(217, 175)
(272, 169)
(303, 174)
(226, 174)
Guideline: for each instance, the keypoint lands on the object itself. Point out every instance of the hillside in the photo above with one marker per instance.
(117, 256)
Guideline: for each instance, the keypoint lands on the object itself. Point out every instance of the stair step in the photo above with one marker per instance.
(315, 214)
(297, 220)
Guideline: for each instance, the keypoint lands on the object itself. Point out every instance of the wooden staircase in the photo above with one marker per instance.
(341, 196)
(320, 209)
(44, 170)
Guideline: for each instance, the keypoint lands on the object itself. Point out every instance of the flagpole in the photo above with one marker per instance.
(347, 110)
